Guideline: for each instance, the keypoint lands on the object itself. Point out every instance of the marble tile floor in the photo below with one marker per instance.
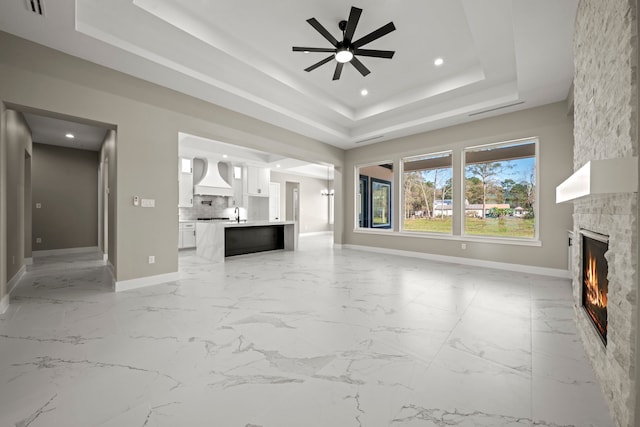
(317, 337)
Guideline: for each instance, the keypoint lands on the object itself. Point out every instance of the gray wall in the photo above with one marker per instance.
(17, 143)
(314, 208)
(65, 183)
(147, 118)
(4, 300)
(555, 131)
(108, 192)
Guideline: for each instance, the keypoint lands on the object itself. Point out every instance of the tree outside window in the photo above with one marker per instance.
(500, 190)
(427, 193)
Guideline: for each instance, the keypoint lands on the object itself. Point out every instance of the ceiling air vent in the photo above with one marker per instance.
(368, 139)
(495, 109)
(35, 6)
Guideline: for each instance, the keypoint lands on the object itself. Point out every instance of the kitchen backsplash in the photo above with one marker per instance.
(217, 207)
(213, 206)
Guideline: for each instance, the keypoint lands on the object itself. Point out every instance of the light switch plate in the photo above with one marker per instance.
(148, 203)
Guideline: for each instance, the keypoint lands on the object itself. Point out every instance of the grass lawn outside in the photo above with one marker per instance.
(498, 227)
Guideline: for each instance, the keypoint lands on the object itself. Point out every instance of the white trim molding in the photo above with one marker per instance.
(520, 268)
(11, 284)
(316, 233)
(142, 282)
(4, 304)
(28, 261)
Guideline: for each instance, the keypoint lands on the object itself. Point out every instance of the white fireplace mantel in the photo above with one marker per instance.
(600, 177)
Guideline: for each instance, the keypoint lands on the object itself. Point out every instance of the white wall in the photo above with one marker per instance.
(314, 208)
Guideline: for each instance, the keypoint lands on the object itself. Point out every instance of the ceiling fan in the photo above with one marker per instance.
(346, 50)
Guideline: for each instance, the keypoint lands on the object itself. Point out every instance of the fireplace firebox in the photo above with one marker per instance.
(595, 284)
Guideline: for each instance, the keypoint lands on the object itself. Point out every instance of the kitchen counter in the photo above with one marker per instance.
(216, 240)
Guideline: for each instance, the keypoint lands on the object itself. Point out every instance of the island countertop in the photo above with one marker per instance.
(210, 236)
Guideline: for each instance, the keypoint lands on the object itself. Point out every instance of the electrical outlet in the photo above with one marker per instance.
(152, 259)
(13, 259)
(148, 203)
(38, 239)
(464, 246)
(38, 205)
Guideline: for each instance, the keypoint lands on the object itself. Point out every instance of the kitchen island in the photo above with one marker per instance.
(217, 240)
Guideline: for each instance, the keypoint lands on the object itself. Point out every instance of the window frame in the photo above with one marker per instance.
(402, 211)
(536, 207)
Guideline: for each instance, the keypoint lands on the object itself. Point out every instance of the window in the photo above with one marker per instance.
(500, 190)
(374, 196)
(427, 193)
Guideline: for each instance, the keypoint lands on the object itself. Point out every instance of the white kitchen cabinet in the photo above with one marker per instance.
(258, 181)
(185, 182)
(187, 235)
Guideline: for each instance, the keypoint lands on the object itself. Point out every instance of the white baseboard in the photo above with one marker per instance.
(28, 261)
(65, 251)
(316, 233)
(127, 285)
(338, 246)
(4, 304)
(11, 284)
(543, 271)
(105, 257)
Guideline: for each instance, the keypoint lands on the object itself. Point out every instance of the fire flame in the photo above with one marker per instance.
(595, 296)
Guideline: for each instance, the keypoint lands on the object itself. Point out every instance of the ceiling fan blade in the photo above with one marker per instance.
(374, 53)
(319, 28)
(360, 66)
(374, 35)
(313, 49)
(338, 72)
(354, 17)
(319, 63)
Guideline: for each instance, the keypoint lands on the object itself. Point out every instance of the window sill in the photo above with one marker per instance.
(374, 230)
(455, 238)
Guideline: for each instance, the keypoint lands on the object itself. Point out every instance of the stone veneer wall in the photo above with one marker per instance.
(605, 114)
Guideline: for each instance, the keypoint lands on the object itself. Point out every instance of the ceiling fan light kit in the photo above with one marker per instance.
(345, 51)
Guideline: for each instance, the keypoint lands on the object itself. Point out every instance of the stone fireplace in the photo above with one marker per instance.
(605, 101)
(594, 282)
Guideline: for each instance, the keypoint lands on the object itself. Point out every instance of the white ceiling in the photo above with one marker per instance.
(195, 146)
(52, 131)
(238, 54)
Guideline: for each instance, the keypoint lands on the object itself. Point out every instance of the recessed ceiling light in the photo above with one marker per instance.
(438, 62)
(224, 156)
(364, 92)
(69, 135)
(277, 166)
(306, 51)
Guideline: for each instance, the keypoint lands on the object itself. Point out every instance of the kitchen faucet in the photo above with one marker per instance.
(236, 211)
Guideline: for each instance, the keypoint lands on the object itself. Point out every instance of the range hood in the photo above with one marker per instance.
(606, 176)
(212, 184)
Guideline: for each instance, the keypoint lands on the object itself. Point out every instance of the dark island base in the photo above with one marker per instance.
(247, 240)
